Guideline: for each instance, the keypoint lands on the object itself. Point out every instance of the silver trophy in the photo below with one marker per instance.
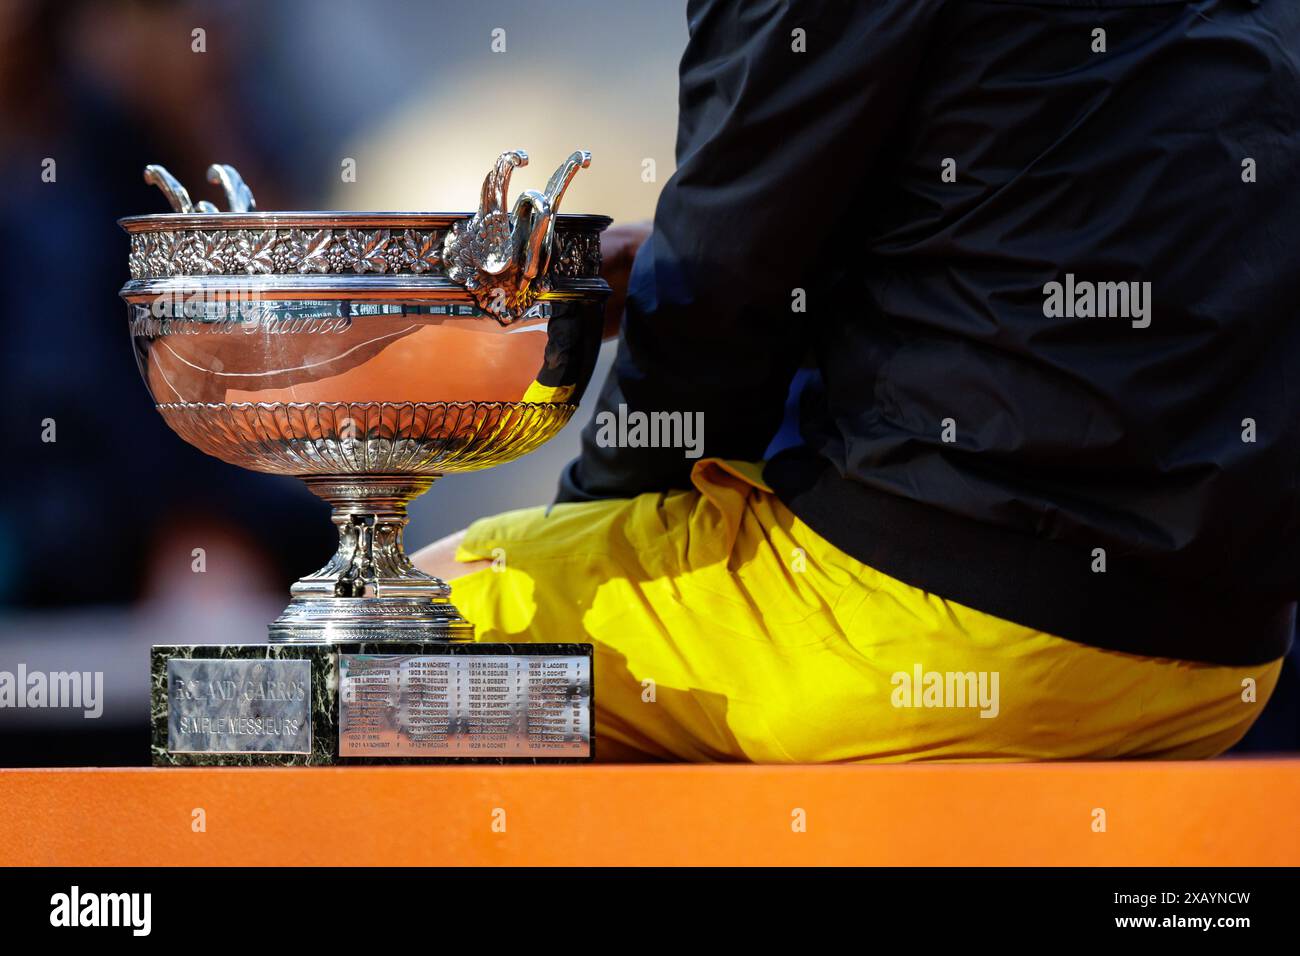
(367, 354)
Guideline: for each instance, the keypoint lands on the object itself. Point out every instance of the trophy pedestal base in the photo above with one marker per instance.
(371, 703)
(369, 620)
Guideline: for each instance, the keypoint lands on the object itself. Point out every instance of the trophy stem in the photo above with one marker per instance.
(369, 590)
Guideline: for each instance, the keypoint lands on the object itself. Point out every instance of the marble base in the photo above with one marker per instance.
(504, 699)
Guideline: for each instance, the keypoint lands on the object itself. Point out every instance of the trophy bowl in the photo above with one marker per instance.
(367, 354)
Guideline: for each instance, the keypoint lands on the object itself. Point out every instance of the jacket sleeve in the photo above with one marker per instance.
(784, 109)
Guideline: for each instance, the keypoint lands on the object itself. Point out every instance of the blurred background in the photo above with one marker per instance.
(98, 527)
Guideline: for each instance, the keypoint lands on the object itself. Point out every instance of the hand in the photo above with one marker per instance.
(618, 246)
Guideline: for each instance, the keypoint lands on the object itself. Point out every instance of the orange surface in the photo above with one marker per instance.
(1226, 812)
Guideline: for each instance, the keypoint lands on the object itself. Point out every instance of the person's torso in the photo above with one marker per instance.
(1074, 314)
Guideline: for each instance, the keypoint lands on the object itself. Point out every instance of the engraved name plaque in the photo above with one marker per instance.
(459, 706)
(238, 706)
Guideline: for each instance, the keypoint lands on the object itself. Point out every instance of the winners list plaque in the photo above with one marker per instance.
(455, 706)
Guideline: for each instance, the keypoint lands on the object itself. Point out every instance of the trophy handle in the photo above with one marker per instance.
(498, 256)
(238, 196)
(178, 196)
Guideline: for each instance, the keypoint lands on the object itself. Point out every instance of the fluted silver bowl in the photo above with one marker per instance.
(367, 353)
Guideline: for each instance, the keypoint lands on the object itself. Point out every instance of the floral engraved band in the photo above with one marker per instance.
(504, 260)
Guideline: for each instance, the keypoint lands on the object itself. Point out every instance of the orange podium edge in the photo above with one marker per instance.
(1231, 812)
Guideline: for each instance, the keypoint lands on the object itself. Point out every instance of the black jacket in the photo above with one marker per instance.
(972, 433)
